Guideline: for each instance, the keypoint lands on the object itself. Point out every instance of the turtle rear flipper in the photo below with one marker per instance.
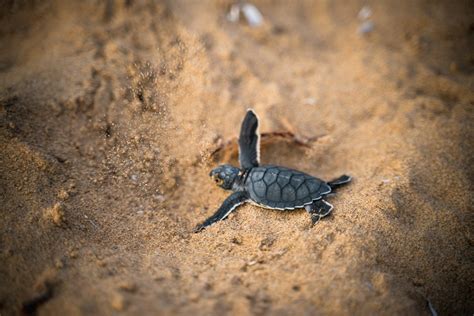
(318, 209)
(229, 204)
(249, 141)
(336, 183)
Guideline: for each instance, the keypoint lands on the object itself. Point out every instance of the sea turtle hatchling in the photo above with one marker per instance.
(268, 186)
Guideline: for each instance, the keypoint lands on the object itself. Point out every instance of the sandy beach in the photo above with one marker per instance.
(112, 114)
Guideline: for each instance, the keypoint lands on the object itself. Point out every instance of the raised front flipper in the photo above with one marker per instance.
(234, 200)
(249, 142)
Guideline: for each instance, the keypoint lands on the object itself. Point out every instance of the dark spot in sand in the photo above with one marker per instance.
(30, 306)
(108, 130)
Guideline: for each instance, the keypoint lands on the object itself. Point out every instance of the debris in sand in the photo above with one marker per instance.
(229, 148)
(366, 27)
(365, 13)
(128, 286)
(296, 288)
(159, 197)
(251, 13)
(194, 296)
(55, 214)
(236, 280)
(237, 240)
(364, 16)
(165, 274)
(55, 107)
(278, 253)
(63, 194)
(432, 310)
(385, 181)
(43, 292)
(30, 306)
(118, 302)
(59, 264)
(309, 101)
(234, 13)
(266, 243)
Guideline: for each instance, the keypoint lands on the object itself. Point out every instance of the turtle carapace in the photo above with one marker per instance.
(268, 186)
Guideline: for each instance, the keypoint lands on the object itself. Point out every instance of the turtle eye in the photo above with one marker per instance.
(218, 180)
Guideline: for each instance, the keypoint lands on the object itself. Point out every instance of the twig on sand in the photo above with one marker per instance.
(229, 148)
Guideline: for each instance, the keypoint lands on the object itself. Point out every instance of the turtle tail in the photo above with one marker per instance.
(342, 180)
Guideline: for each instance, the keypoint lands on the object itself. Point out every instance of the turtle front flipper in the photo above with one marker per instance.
(318, 209)
(231, 203)
(249, 141)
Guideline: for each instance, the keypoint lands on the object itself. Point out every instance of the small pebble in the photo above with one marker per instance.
(128, 286)
(118, 302)
(194, 296)
(63, 194)
(236, 280)
(364, 13)
(234, 13)
(366, 27)
(56, 214)
(59, 264)
(309, 101)
(237, 240)
(252, 15)
(266, 243)
(159, 197)
(250, 12)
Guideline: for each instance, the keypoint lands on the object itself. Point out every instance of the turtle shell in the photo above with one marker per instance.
(283, 188)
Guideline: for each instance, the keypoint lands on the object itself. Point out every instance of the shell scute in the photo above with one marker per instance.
(302, 193)
(274, 192)
(283, 188)
(270, 176)
(260, 188)
(288, 194)
(297, 180)
(313, 186)
(258, 175)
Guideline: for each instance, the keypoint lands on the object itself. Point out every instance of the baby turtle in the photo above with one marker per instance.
(268, 186)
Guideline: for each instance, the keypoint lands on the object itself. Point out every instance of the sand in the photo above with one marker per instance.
(110, 113)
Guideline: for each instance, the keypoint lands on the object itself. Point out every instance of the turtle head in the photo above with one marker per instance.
(225, 176)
